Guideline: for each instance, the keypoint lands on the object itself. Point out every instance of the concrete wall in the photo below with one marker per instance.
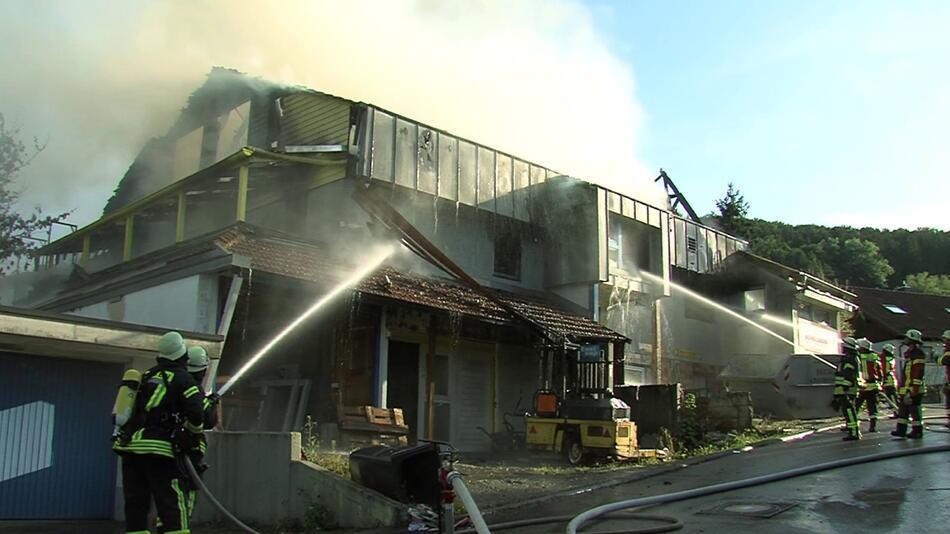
(187, 304)
(261, 478)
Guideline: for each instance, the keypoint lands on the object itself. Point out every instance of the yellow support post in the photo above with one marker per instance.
(242, 194)
(84, 258)
(127, 251)
(180, 221)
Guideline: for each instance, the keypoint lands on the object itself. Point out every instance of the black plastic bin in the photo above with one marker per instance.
(406, 474)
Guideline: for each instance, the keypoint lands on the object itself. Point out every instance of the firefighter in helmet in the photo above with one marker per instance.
(871, 372)
(889, 385)
(912, 389)
(168, 403)
(945, 362)
(846, 387)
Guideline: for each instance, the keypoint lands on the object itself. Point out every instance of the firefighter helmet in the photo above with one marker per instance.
(946, 335)
(850, 343)
(197, 359)
(914, 336)
(864, 343)
(888, 350)
(171, 346)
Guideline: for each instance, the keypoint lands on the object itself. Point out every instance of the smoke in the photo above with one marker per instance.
(531, 78)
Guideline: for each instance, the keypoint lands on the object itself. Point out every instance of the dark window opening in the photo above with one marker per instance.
(507, 252)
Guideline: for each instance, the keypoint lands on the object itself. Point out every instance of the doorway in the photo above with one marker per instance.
(402, 390)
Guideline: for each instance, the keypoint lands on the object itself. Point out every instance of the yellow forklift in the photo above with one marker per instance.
(574, 412)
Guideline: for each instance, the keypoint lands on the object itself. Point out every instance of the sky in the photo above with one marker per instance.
(827, 113)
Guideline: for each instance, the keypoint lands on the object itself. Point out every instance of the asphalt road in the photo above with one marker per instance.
(900, 495)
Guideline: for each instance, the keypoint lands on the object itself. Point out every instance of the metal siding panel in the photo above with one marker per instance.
(521, 192)
(314, 120)
(384, 136)
(76, 396)
(468, 173)
(406, 156)
(448, 167)
(428, 160)
(503, 185)
(486, 179)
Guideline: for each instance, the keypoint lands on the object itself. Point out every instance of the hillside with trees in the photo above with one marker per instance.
(866, 257)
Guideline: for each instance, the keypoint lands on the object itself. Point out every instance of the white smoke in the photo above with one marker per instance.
(531, 78)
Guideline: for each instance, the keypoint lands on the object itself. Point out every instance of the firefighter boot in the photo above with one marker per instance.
(873, 426)
(917, 432)
(900, 431)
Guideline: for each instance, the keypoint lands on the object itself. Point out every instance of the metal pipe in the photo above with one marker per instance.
(455, 478)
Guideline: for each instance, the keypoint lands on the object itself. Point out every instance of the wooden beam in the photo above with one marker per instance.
(129, 224)
(430, 378)
(242, 194)
(86, 244)
(180, 221)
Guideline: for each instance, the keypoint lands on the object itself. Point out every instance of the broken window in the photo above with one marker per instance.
(507, 251)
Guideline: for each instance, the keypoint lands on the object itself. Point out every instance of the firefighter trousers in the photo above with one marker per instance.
(850, 415)
(946, 401)
(911, 411)
(868, 397)
(891, 393)
(148, 477)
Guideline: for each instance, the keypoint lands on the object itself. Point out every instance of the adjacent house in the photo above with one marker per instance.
(244, 209)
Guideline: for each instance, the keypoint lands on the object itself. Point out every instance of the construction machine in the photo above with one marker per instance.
(574, 412)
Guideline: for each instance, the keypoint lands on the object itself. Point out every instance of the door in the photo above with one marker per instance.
(402, 388)
(471, 399)
(56, 460)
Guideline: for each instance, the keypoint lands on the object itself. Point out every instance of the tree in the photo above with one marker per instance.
(15, 228)
(855, 261)
(935, 284)
(733, 210)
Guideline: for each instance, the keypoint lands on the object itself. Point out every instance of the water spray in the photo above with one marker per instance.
(735, 314)
(371, 265)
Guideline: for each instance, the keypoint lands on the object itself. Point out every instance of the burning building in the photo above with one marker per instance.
(242, 216)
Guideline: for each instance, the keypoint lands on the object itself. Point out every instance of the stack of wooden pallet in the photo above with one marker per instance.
(369, 425)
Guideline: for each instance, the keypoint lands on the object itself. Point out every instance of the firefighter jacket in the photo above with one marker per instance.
(913, 383)
(209, 412)
(871, 371)
(169, 401)
(848, 375)
(888, 370)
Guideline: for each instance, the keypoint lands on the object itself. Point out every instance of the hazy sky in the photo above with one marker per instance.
(830, 113)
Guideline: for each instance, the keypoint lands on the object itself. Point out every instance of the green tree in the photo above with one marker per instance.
(854, 261)
(935, 284)
(733, 210)
(15, 228)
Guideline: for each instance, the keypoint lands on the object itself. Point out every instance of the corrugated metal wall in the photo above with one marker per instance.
(310, 119)
(56, 460)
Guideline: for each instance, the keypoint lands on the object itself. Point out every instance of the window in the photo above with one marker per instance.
(893, 308)
(507, 252)
(753, 300)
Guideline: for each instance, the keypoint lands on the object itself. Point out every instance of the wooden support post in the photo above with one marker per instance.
(127, 250)
(84, 258)
(430, 378)
(242, 194)
(180, 221)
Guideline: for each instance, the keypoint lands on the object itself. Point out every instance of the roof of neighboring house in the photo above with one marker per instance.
(880, 316)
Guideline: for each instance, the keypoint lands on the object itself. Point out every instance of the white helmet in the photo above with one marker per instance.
(171, 346)
(197, 359)
(864, 343)
(946, 335)
(850, 343)
(888, 350)
(913, 335)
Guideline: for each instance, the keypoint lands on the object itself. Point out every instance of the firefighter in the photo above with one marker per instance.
(846, 388)
(890, 376)
(871, 372)
(912, 388)
(945, 362)
(168, 403)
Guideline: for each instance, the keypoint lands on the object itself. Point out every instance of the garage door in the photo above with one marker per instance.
(471, 400)
(55, 456)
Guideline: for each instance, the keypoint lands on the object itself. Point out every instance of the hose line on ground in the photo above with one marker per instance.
(600, 511)
(204, 489)
(670, 523)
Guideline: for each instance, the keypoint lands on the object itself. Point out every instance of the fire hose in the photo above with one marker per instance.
(605, 509)
(204, 489)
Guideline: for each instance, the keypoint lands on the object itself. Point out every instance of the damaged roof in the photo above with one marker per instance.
(887, 314)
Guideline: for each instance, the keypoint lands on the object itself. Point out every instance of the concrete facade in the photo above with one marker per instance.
(262, 479)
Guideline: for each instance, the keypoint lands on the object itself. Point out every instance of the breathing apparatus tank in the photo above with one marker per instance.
(125, 399)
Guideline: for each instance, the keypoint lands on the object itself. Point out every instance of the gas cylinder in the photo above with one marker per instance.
(125, 399)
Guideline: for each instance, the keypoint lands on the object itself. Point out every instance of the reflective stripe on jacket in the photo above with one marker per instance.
(914, 372)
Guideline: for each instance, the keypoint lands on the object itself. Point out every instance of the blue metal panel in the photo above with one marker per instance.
(55, 455)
